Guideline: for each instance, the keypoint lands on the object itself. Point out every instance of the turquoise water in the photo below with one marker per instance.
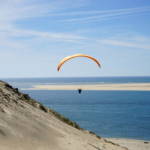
(114, 114)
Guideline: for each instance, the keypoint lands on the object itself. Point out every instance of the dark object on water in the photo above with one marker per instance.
(79, 90)
(146, 142)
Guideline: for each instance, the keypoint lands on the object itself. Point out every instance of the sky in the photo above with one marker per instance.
(36, 35)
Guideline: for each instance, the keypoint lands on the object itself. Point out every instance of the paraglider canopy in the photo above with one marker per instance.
(76, 55)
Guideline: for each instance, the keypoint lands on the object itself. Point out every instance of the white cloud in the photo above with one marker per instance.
(19, 9)
(107, 14)
(139, 9)
(14, 38)
(135, 41)
(11, 11)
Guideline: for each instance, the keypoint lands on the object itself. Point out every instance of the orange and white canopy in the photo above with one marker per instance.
(76, 55)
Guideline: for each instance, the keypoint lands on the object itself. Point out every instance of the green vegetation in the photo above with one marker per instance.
(65, 120)
(25, 96)
(98, 137)
(29, 100)
(95, 134)
(91, 132)
(8, 86)
(111, 142)
(43, 108)
(32, 102)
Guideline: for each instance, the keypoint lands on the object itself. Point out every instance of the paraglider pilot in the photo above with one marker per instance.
(79, 91)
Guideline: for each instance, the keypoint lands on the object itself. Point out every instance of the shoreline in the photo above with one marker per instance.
(99, 87)
(131, 144)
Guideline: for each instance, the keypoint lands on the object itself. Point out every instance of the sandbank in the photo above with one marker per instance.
(114, 87)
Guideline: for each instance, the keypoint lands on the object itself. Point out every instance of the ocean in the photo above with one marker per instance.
(110, 114)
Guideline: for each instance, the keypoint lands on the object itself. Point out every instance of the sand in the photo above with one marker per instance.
(114, 87)
(24, 127)
(132, 144)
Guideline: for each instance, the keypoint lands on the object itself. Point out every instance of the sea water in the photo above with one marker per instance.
(110, 114)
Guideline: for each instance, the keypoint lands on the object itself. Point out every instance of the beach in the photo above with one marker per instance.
(113, 87)
(131, 144)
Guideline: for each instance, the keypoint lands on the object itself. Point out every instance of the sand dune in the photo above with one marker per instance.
(27, 125)
(127, 87)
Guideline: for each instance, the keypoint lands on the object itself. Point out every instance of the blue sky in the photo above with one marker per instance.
(36, 35)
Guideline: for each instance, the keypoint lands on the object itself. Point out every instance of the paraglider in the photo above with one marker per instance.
(79, 90)
(73, 56)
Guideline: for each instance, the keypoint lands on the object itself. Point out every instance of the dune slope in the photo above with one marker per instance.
(28, 125)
